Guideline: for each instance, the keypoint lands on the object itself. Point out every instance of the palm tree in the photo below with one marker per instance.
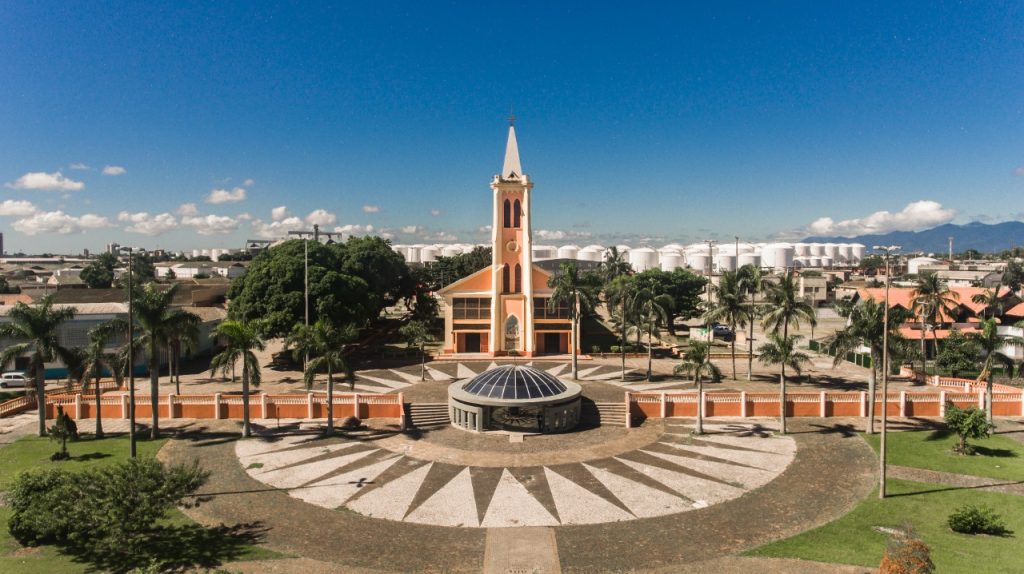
(697, 361)
(784, 307)
(579, 293)
(651, 312)
(781, 350)
(990, 299)
(36, 330)
(326, 347)
(183, 337)
(931, 300)
(417, 333)
(615, 265)
(752, 280)
(991, 342)
(730, 307)
(95, 358)
(617, 294)
(240, 341)
(865, 328)
(156, 320)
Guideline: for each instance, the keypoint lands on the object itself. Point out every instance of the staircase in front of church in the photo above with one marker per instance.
(425, 416)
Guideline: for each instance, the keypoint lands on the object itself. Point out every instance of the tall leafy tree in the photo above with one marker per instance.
(730, 307)
(35, 329)
(930, 301)
(682, 285)
(651, 312)
(579, 292)
(417, 334)
(958, 354)
(614, 265)
(696, 361)
(865, 328)
(1013, 276)
(992, 345)
(240, 341)
(157, 319)
(327, 347)
(99, 273)
(752, 281)
(781, 350)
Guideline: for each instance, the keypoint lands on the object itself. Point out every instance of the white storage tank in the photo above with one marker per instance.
(672, 247)
(450, 250)
(429, 253)
(672, 260)
(858, 252)
(588, 254)
(596, 247)
(622, 248)
(915, 264)
(726, 262)
(817, 249)
(827, 262)
(802, 249)
(832, 250)
(698, 262)
(782, 255)
(542, 252)
(643, 259)
(568, 251)
(813, 261)
(845, 252)
(749, 259)
(799, 262)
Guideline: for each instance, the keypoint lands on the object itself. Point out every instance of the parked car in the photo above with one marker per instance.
(16, 379)
(723, 332)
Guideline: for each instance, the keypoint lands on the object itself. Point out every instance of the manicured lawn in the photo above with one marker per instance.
(997, 457)
(853, 539)
(184, 540)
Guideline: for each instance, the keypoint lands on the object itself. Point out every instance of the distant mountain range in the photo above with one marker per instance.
(981, 236)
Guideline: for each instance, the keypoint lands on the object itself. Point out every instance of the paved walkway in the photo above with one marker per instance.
(831, 471)
(957, 480)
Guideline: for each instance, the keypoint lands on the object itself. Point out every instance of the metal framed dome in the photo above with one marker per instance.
(514, 382)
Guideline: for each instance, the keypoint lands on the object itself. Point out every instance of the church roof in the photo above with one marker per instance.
(514, 382)
(512, 169)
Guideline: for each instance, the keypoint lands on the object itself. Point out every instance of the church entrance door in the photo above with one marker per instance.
(472, 343)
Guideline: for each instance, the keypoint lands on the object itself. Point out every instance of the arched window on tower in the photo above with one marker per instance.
(507, 215)
(505, 279)
(519, 279)
(517, 211)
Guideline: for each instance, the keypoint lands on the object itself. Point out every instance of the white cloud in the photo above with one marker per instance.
(915, 216)
(244, 216)
(435, 212)
(114, 170)
(59, 222)
(276, 229)
(188, 209)
(146, 224)
(46, 182)
(354, 229)
(484, 229)
(551, 234)
(79, 166)
(218, 196)
(412, 229)
(1019, 171)
(279, 213)
(211, 224)
(371, 208)
(321, 217)
(17, 208)
(248, 183)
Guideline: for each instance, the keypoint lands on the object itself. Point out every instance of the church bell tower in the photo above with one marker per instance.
(512, 244)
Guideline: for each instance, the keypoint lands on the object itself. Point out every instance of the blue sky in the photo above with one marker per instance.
(639, 123)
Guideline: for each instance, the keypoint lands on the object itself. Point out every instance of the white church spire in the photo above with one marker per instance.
(511, 169)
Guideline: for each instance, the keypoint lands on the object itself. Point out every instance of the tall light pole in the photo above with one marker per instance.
(888, 250)
(131, 357)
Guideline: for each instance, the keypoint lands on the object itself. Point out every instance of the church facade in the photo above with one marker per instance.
(504, 309)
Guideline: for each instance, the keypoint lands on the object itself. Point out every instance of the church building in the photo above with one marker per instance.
(503, 309)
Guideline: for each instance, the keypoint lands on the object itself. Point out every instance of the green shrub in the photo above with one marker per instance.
(972, 519)
(966, 423)
(110, 509)
(595, 349)
(615, 349)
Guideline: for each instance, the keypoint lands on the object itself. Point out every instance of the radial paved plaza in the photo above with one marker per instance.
(677, 473)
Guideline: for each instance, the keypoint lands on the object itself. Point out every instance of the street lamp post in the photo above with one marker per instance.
(131, 358)
(888, 251)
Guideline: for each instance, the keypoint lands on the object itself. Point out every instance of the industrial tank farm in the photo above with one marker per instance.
(696, 256)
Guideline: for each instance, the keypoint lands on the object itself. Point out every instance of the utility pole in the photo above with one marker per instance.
(888, 251)
(131, 359)
(950, 249)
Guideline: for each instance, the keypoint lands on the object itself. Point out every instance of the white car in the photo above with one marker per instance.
(8, 380)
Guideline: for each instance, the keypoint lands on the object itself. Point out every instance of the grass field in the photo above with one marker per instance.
(185, 541)
(997, 457)
(853, 539)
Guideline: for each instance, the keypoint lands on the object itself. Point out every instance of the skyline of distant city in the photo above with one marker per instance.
(192, 125)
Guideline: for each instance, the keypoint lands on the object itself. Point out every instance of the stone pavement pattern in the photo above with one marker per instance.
(678, 473)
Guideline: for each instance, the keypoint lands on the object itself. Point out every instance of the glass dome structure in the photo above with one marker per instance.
(517, 398)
